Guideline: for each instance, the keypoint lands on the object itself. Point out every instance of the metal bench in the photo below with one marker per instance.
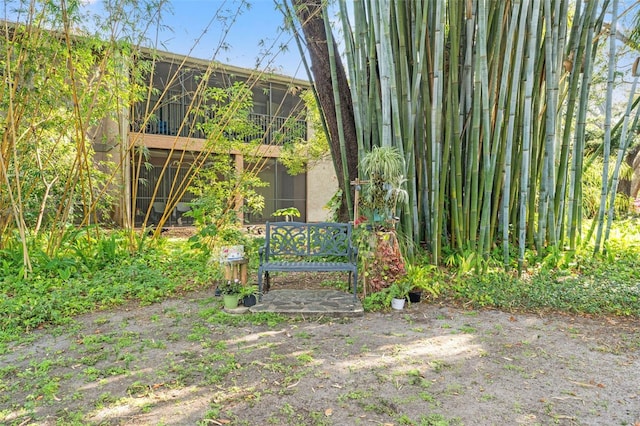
(308, 247)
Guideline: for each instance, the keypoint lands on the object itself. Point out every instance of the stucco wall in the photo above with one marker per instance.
(322, 184)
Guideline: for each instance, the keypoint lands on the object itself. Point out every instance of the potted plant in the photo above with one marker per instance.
(248, 294)
(399, 291)
(415, 274)
(230, 291)
(385, 167)
(424, 279)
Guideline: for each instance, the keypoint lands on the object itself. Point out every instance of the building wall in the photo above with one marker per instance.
(322, 184)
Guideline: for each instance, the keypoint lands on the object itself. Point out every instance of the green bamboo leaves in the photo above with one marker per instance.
(486, 101)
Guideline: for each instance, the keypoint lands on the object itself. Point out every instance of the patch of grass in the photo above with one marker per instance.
(417, 379)
(198, 333)
(487, 397)
(319, 419)
(104, 399)
(338, 284)
(38, 381)
(70, 418)
(427, 397)
(152, 343)
(305, 358)
(218, 317)
(354, 395)
(454, 389)
(303, 335)
(439, 365)
(93, 359)
(467, 329)
(437, 420)
(512, 367)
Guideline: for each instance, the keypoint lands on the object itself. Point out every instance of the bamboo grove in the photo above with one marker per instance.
(487, 101)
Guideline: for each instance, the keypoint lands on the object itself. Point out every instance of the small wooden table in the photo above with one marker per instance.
(236, 269)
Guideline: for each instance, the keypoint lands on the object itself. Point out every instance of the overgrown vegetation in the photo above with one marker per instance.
(90, 273)
(99, 272)
(577, 282)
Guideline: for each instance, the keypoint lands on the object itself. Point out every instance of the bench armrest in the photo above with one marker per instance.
(261, 254)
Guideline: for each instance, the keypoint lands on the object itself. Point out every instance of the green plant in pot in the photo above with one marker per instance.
(424, 279)
(249, 295)
(399, 292)
(230, 291)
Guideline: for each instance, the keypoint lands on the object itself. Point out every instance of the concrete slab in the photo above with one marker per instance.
(331, 303)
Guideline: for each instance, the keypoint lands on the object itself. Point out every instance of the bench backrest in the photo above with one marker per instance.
(308, 239)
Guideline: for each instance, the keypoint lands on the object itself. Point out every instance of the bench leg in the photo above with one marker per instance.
(263, 288)
(355, 284)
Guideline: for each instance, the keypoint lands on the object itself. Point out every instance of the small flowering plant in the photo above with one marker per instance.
(230, 287)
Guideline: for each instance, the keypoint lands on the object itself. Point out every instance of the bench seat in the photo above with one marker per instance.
(309, 266)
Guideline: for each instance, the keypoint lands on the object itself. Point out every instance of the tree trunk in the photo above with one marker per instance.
(309, 13)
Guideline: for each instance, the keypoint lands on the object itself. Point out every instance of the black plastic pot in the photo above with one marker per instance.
(415, 296)
(249, 300)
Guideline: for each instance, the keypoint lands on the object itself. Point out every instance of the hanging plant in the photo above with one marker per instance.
(385, 167)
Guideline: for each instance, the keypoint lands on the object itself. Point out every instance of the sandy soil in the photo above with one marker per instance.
(182, 362)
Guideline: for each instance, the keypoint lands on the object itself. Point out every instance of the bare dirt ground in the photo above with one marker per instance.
(183, 362)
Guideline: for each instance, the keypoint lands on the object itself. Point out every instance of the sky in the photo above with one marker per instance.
(254, 39)
(255, 35)
(256, 30)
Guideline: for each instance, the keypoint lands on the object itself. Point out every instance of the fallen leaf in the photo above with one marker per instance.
(328, 412)
(584, 385)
